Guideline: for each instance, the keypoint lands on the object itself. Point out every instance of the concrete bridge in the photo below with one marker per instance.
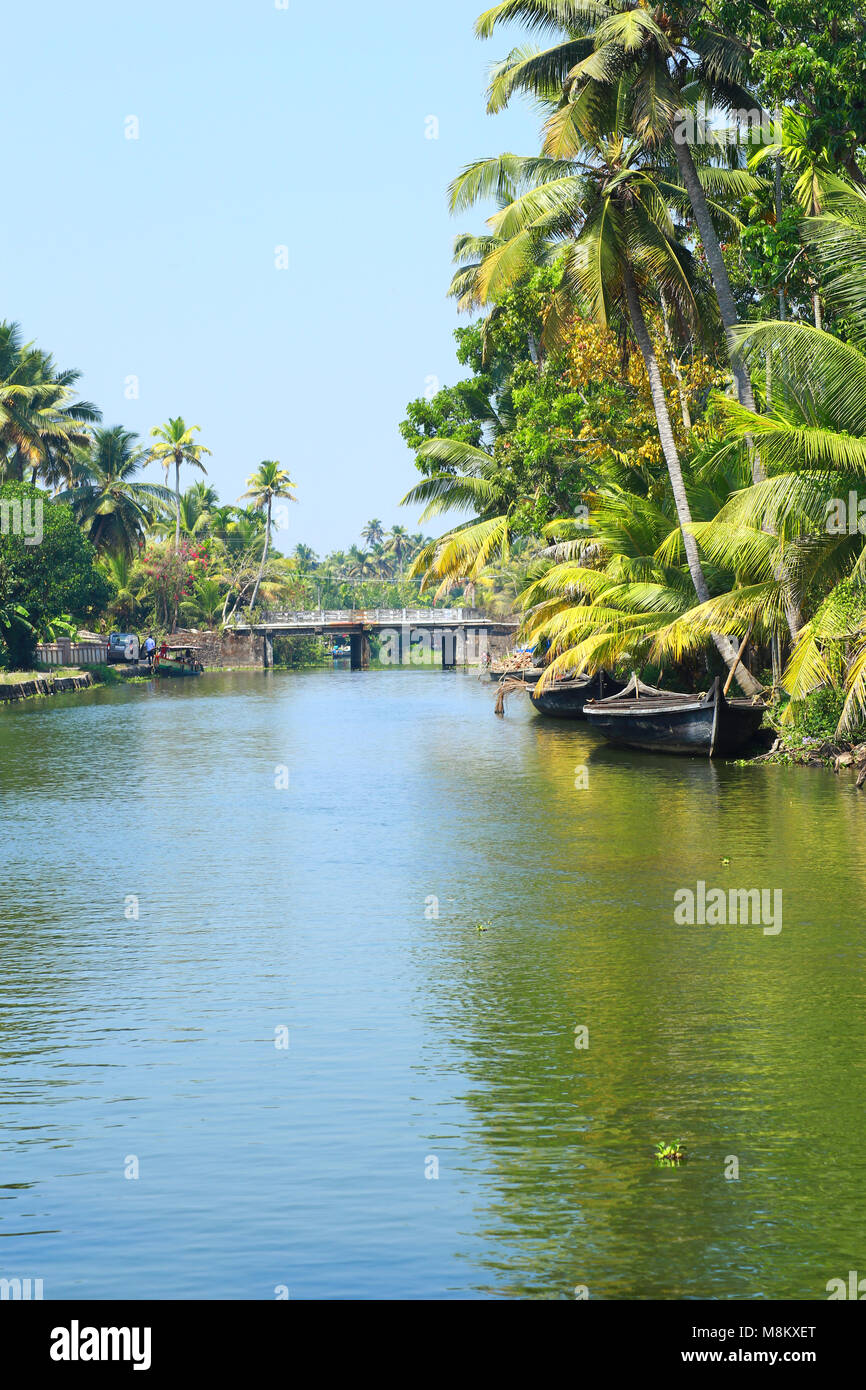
(460, 634)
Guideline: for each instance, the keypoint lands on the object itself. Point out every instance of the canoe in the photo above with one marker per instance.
(565, 699)
(664, 721)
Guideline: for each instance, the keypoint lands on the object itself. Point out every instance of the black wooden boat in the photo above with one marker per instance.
(565, 698)
(664, 721)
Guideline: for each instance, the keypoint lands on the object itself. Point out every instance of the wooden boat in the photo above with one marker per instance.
(565, 699)
(527, 674)
(179, 660)
(664, 721)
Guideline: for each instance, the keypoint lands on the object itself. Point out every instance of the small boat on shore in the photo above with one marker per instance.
(178, 660)
(665, 721)
(566, 698)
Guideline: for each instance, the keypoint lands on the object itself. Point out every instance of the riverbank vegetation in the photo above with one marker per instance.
(662, 430)
(90, 537)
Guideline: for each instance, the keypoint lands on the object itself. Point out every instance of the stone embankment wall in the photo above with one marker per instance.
(45, 685)
(226, 650)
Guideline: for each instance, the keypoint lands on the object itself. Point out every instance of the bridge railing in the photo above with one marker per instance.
(332, 617)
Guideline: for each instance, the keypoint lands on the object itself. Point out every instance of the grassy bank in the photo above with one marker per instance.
(53, 680)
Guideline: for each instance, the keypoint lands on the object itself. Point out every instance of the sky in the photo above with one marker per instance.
(269, 258)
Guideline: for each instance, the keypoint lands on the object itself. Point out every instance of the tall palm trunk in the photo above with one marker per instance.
(176, 504)
(264, 555)
(730, 319)
(718, 271)
(725, 646)
(674, 365)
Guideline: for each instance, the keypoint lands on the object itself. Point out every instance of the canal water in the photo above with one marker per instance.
(253, 1040)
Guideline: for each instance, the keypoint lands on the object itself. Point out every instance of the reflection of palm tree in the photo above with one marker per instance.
(269, 481)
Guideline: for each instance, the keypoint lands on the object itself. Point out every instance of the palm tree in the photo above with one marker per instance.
(206, 603)
(270, 481)
(398, 546)
(672, 62)
(814, 170)
(814, 442)
(469, 482)
(41, 422)
(603, 214)
(220, 521)
(306, 557)
(118, 565)
(112, 508)
(373, 533)
(175, 443)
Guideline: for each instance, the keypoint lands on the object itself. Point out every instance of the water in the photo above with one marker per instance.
(415, 1040)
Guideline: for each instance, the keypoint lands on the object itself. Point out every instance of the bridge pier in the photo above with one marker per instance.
(359, 643)
(268, 651)
(449, 651)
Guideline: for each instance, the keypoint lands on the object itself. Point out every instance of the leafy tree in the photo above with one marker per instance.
(57, 576)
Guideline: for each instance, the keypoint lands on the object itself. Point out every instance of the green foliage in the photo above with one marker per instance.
(819, 713)
(670, 1153)
(57, 576)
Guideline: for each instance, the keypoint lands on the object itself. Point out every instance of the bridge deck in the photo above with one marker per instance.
(372, 619)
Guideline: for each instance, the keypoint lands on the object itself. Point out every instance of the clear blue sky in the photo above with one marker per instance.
(259, 127)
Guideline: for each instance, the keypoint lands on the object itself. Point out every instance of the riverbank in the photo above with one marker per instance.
(812, 740)
(24, 685)
(804, 750)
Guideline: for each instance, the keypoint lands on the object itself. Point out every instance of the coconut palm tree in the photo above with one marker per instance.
(111, 506)
(398, 545)
(205, 604)
(373, 533)
(118, 565)
(175, 444)
(41, 421)
(814, 444)
(467, 482)
(268, 483)
(674, 58)
(793, 147)
(603, 213)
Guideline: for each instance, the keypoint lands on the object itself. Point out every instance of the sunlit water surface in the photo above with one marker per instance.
(416, 1042)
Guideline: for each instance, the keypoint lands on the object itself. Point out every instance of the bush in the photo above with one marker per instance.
(818, 715)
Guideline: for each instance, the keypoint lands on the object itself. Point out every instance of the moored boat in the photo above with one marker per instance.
(566, 698)
(665, 721)
(527, 674)
(177, 660)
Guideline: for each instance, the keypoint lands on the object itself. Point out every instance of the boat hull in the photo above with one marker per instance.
(166, 668)
(710, 728)
(567, 699)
